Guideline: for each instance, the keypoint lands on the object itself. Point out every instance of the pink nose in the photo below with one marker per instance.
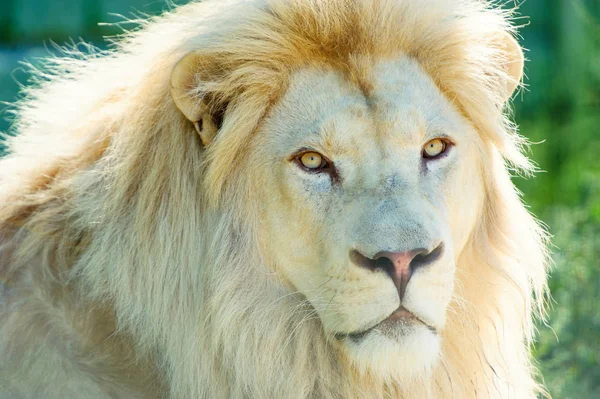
(400, 266)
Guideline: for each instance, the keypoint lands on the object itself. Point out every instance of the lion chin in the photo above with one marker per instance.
(273, 199)
(399, 347)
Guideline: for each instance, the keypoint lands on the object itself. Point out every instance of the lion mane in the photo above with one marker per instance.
(128, 259)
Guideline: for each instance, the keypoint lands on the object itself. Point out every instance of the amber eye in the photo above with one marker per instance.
(434, 148)
(312, 160)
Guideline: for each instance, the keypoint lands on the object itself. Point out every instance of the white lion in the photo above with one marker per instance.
(274, 199)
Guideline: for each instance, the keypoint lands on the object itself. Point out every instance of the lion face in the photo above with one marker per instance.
(368, 195)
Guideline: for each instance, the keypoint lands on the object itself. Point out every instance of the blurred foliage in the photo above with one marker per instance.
(559, 111)
(569, 351)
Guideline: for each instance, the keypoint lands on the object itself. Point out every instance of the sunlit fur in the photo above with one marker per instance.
(133, 260)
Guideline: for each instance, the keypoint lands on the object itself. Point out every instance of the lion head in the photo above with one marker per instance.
(362, 207)
(295, 199)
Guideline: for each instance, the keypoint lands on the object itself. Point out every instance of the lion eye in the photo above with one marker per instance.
(312, 160)
(434, 148)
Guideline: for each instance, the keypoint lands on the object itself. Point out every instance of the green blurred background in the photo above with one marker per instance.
(559, 111)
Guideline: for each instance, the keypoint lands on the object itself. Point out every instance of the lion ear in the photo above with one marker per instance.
(513, 62)
(185, 77)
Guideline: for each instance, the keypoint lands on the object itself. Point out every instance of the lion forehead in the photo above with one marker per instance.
(396, 99)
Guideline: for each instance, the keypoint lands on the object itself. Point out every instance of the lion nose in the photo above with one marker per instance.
(400, 266)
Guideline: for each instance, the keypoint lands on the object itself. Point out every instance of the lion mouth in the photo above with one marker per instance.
(400, 317)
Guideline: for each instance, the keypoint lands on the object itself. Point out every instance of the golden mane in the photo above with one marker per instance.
(108, 201)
